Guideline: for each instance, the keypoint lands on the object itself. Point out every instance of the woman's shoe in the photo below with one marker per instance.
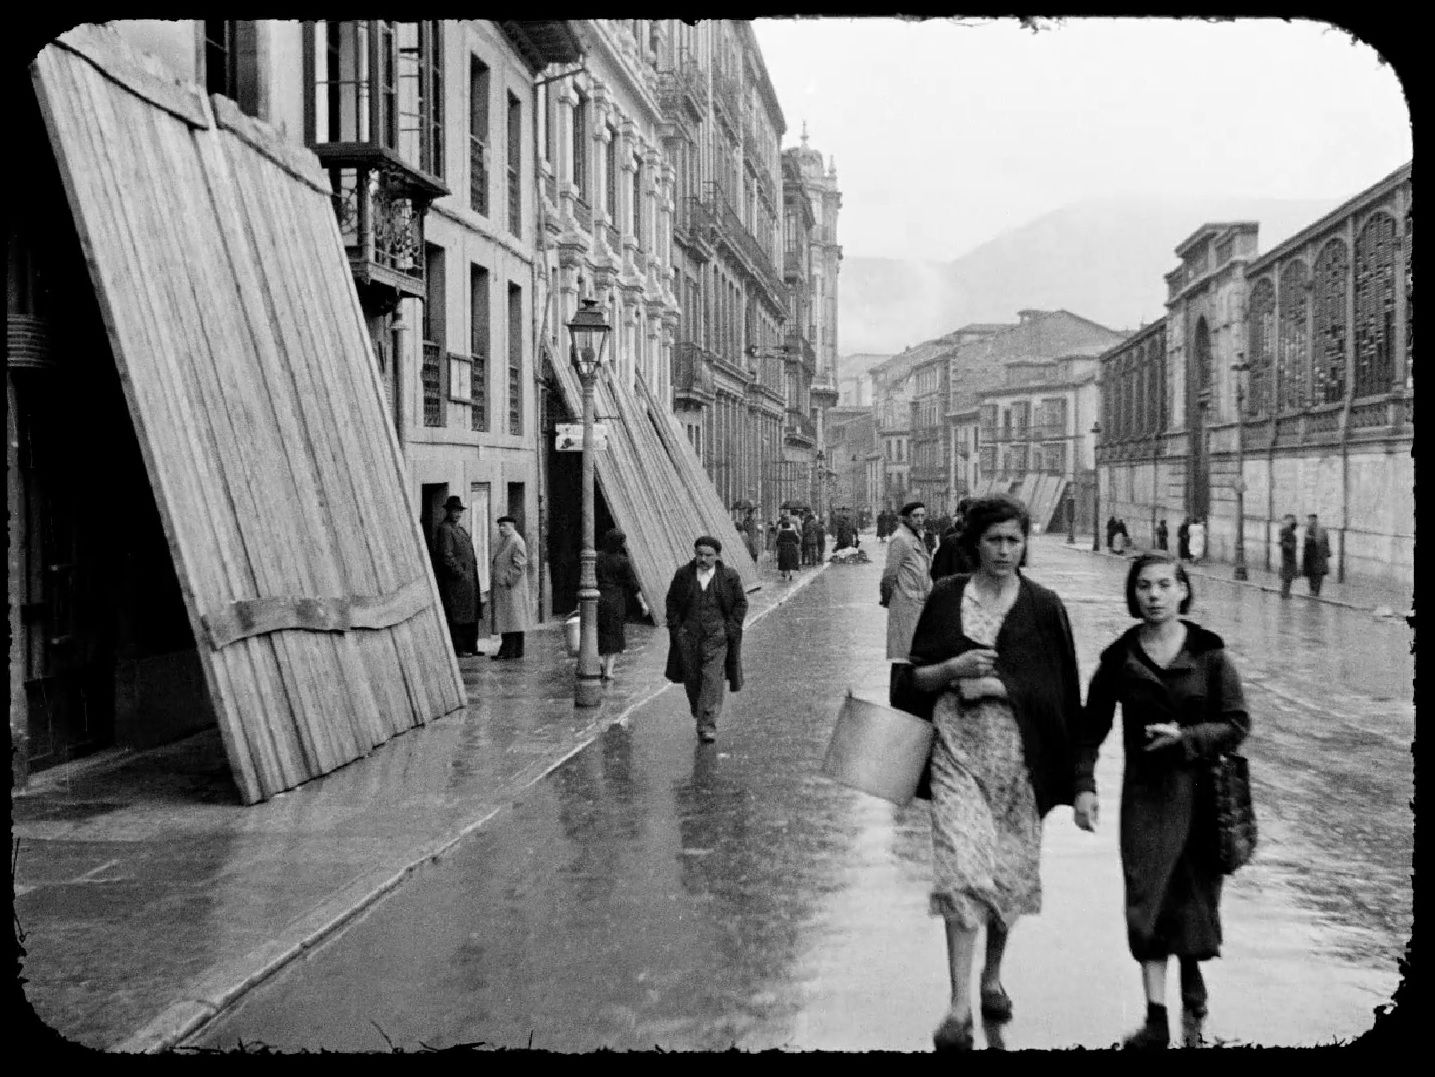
(1155, 1034)
(954, 1035)
(996, 1004)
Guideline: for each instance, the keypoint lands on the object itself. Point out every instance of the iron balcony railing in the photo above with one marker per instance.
(692, 373)
(684, 86)
(735, 231)
(432, 378)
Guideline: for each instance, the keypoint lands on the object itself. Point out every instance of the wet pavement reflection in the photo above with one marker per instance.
(656, 892)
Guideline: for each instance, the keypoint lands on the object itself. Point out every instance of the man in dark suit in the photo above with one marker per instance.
(458, 579)
(1315, 554)
(706, 605)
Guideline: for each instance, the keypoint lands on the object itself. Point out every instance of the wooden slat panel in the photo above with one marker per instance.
(248, 374)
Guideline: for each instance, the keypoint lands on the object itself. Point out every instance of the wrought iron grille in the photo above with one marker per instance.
(432, 376)
(1375, 306)
(1332, 278)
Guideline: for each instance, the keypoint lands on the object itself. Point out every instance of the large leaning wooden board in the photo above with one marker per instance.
(660, 500)
(247, 368)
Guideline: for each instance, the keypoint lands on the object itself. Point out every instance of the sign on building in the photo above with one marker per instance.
(568, 437)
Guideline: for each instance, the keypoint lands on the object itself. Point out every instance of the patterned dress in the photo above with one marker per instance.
(986, 832)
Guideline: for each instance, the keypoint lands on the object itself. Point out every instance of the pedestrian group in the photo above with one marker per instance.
(987, 656)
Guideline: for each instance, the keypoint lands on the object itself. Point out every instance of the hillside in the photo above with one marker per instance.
(1103, 258)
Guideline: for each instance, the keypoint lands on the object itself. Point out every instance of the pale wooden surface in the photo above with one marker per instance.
(247, 369)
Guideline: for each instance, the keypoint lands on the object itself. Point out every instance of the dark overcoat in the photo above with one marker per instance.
(1289, 569)
(1036, 661)
(1315, 553)
(1173, 886)
(457, 574)
(732, 601)
(617, 583)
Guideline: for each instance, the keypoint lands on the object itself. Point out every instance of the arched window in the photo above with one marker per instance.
(1375, 306)
(1201, 356)
(1332, 277)
(1293, 346)
(1262, 342)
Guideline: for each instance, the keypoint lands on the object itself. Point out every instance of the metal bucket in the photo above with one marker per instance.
(573, 632)
(878, 750)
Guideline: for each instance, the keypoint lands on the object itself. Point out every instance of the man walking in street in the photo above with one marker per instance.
(512, 605)
(705, 606)
(906, 583)
(1315, 554)
(1183, 539)
(458, 579)
(750, 532)
(1163, 535)
(809, 538)
(1289, 569)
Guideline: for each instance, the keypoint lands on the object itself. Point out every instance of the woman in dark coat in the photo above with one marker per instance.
(995, 649)
(789, 548)
(1181, 706)
(616, 584)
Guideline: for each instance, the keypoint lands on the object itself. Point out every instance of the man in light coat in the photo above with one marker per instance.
(458, 579)
(1315, 554)
(512, 604)
(906, 583)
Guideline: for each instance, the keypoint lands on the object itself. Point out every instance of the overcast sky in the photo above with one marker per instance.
(947, 133)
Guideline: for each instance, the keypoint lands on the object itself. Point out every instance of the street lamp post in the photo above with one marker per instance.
(1096, 489)
(1239, 368)
(590, 338)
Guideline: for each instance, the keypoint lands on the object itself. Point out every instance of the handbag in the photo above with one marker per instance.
(1235, 813)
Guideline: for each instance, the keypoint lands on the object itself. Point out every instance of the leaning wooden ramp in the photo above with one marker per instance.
(241, 346)
(659, 503)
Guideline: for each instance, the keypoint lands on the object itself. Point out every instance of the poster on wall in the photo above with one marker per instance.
(478, 526)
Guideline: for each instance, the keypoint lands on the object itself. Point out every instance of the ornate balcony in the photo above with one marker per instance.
(800, 428)
(692, 376)
(744, 244)
(824, 395)
(683, 92)
(794, 265)
(800, 348)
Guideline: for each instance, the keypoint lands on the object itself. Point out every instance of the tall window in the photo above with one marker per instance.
(479, 344)
(638, 198)
(515, 165)
(1375, 306)
(1293, 346)
(515, 359)
(478, 87)
(221, 57)
(435, 337)
(1262, 341)
(420, 93)
(610, 168)
(1332, 274)
(580, 147)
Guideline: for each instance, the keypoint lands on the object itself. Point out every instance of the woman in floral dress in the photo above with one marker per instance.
(996, 648)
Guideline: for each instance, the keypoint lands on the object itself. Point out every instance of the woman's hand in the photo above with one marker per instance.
(1162, 735)
(980, 662)
(1085, 810)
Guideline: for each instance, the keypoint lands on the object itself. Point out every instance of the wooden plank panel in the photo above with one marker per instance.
(350, 711)
(165, 430)
(210, 318)
(216, 365)
(359, 509)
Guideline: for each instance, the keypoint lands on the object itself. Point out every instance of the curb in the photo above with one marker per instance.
(207, 998)
(1205, 575)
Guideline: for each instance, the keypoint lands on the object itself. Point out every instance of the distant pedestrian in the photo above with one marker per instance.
(1181, 706)
(951, 557)
(809, 538)
(1315, 553)
(751, 534)
(458, 579)
(705, 610)
(906, 583)
(1120, 538)
(996, 649)
(821, 540)
(789, 548)
(1183, 539)
(1163, 536)
(1110, 531)
(512, 603)
(1197, 539)
(1290, 564)
(617, 586)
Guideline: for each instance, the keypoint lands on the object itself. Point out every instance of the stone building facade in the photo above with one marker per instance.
(1320, 331)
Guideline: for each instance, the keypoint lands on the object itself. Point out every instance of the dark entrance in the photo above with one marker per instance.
(565, 512)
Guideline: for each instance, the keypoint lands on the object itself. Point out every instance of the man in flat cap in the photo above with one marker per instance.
(706, 605)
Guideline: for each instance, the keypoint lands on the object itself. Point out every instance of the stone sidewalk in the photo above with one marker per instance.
(147, 898)
(1384, 600)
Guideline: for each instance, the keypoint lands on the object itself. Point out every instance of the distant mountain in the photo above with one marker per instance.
(1103, 258)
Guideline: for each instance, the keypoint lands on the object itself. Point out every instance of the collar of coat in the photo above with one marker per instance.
(1199, 641)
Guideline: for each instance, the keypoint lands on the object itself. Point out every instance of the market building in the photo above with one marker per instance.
(1289, 380)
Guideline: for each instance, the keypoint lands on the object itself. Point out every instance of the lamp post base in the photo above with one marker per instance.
(1241, 573)
(588, 691)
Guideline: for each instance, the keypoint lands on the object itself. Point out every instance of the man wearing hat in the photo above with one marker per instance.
(706, 605)
(458, 579)
(512, 603)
